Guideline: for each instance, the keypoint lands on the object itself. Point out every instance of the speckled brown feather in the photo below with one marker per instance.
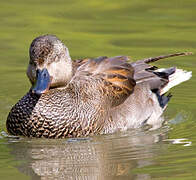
(41, 48)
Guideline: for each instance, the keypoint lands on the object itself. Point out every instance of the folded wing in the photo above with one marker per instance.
(112, 77)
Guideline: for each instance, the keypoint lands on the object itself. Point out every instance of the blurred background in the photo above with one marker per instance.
(92, 28)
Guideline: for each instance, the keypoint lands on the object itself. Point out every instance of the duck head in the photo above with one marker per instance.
(50, 64)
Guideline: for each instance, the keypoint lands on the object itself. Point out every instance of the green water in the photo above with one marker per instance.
(92, 28)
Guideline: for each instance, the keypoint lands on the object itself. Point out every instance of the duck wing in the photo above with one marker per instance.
(110, 77)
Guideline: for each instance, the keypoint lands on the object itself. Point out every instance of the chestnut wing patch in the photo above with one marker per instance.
(115, 74)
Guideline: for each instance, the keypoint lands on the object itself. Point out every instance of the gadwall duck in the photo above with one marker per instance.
(90, 96)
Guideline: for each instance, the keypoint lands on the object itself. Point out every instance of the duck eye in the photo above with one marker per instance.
(30, 62)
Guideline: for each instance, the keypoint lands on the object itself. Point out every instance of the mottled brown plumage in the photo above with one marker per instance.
(95, 96)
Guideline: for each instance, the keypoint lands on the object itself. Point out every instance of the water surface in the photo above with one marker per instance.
(92, 28)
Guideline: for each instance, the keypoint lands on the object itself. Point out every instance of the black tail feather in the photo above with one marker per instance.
(163, 99)
(166, 73)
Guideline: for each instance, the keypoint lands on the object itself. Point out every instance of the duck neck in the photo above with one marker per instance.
(69, 72)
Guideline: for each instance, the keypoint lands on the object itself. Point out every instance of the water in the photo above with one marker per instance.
(93, 28)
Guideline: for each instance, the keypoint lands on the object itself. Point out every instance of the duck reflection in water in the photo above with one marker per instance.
(98, 158)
